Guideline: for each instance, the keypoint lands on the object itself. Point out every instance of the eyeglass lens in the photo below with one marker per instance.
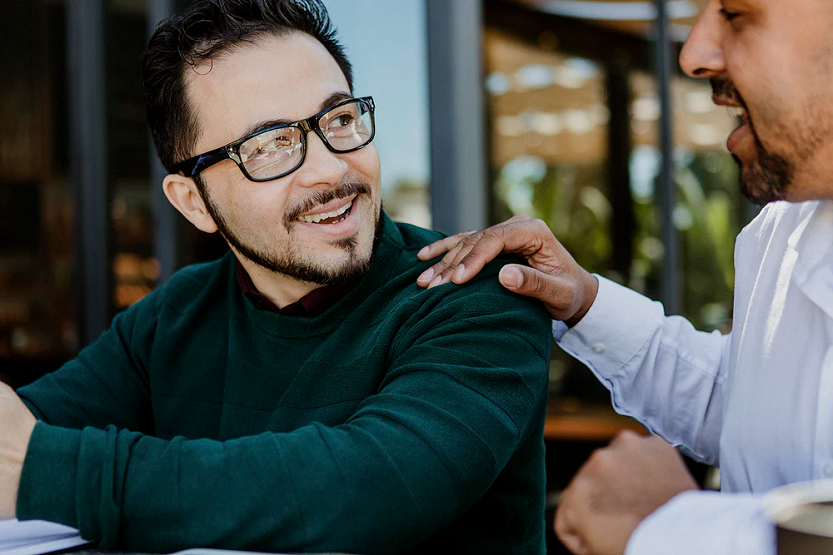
(279, 151)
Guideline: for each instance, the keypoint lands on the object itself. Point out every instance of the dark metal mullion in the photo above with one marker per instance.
(165, 219)
(88, 163)
(666, 189)
(623, 224)
(458, 138)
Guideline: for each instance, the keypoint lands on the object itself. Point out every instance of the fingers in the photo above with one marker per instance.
(440, 247)
(437, 274)
(469, 256)
(472, 251)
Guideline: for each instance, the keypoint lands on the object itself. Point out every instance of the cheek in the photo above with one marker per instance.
(771, 80)
(365, 163)
(260, 203)
(763, 92)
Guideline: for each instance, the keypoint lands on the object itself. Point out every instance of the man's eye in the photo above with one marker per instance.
(727, 15)
(343, 120)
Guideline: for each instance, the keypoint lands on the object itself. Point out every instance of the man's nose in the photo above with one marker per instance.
(321, 166)
(702, 54)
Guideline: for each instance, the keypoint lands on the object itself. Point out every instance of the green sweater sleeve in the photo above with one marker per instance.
(107, 383)
(467, 380)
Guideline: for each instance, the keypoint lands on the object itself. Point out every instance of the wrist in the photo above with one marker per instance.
(590, 289)
(12, 459)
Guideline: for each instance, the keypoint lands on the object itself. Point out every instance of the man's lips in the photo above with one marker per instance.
(331, 207)
(737, 110)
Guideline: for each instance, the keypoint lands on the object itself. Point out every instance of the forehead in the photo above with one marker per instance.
(268, 79)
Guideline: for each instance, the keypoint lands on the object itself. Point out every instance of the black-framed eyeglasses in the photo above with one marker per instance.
(280, 150)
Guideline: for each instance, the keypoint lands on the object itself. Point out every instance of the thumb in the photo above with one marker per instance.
(554, 292)
(525, 281)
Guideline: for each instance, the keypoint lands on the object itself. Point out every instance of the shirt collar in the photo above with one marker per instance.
(813, 272)
(316, 302)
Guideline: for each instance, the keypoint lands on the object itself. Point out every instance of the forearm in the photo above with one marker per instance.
(659, 369)
(108, 382)
(371, 486)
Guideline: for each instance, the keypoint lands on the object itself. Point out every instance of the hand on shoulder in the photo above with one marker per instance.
(552, 275)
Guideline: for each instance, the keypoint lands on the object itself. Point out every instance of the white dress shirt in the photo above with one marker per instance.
(757, 402)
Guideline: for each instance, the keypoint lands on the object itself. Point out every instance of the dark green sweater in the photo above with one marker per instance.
(400, 420)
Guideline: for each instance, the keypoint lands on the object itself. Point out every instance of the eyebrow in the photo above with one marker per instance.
(329, 102)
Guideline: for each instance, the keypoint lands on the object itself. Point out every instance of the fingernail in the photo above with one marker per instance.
(458, 273)
(426, 276)
(423, 251)
(510, 277)
(437, 280)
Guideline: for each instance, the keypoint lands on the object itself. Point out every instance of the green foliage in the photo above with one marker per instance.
(572, 200)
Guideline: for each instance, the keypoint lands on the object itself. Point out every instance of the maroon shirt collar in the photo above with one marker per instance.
(316, 302)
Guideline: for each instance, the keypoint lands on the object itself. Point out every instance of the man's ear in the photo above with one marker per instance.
(183, 194)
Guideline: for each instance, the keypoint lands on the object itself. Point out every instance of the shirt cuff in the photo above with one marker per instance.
(559, 328)
(698, 522)
(47, 484)
(617, 325)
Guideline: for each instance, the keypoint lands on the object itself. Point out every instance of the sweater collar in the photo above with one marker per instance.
(387, 253)
(311, 305)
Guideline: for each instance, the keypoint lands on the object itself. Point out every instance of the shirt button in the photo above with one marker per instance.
(258, 304)
(598, 348)
(828, 470)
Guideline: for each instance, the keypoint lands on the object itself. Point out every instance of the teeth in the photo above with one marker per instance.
(315, 218)
(735, 112)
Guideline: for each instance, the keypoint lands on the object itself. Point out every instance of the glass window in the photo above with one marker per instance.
(574, 141)
(387, 48)
(37, 297)
(709, 212)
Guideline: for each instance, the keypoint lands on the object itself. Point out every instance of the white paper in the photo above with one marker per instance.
(36, 537)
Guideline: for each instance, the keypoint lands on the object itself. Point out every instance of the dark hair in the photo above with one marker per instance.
(206, 29)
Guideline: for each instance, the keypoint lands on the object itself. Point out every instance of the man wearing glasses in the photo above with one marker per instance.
(302, 393)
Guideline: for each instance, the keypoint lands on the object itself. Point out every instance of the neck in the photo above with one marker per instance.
(280, 289)
(812, 178)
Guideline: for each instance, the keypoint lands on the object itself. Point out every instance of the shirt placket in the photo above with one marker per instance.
(823, 447)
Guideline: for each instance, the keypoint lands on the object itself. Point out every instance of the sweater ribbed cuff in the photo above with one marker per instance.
(47, 484)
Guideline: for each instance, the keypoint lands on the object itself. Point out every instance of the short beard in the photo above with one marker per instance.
(768, 178)
(296, 267)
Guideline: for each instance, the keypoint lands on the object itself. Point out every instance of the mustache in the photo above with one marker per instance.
(723, 88)
(343, 190)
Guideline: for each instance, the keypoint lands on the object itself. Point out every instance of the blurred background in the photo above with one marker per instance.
(571, 111)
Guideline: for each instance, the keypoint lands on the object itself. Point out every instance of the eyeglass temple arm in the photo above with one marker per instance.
(192, 167)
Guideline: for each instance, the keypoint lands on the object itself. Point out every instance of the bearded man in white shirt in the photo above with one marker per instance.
(757, 402)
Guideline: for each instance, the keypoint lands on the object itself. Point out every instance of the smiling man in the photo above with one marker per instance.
(756, 402)
(302, 393)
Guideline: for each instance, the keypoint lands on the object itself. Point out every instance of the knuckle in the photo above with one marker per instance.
(494, 231)
(540, 225)
(598, 459)
(626, 436)
(471, 240)
(439, 266)
(535, 280)
(620, 438)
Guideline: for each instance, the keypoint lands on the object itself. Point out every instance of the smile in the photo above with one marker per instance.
(333, 217)
(738, 112)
